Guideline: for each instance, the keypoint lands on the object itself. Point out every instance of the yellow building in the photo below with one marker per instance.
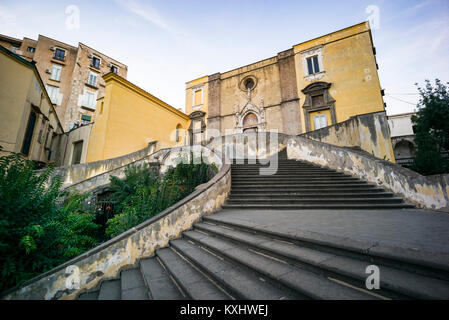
(29, 124)
(127, 118)
(312, 85)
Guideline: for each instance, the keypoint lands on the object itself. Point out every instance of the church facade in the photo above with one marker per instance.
(312, 85)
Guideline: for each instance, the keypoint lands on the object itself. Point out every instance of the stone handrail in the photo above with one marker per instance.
(425, 192)
(104, 262)
(80, 172)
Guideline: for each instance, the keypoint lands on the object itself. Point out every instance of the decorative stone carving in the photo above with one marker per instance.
(250, 108)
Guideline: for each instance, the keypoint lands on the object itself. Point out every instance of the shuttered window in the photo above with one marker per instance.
(56, 72)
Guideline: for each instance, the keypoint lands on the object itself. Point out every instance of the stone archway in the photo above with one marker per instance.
(250, 119)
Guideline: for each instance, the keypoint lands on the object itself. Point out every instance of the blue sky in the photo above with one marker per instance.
(166, 43)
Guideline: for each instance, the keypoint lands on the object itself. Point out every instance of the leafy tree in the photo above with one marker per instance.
(432, 129)
(40, 226)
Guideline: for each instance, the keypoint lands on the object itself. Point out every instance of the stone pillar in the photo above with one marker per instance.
(214, 110)
(291, 115)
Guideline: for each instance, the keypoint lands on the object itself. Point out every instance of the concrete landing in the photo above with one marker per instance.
(423, 234)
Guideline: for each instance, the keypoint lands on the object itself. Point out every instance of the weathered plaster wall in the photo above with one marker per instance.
(80, 172)
(424, 192)
(124, 251)
(128, 118)
(248, 145)
(349, 63)
(369, 132)
(81, 133)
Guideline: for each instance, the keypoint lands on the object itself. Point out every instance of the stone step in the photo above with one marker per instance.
(302, 195)
(89, 295)
(311, 189)
(335, 184)
(303, 281)
(279, 166)
(433, 266)
(110, 290)
(396, 280)
(133, 285)
(376, 206)
(323, 200)
(196, 285)
(236, 280)
(264, 179)
(158, 281)
(287, 174)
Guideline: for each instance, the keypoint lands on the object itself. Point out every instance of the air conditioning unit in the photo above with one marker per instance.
(48, 71)
(90, 55)
(110, 65)
(52, 48)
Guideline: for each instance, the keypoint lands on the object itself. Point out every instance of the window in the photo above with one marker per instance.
(312, 65)
(178, 132)
(93, 79)
(95, 62)
(59, 54)
(55, 72)
(53, 93)
(31, 49)
(114, 69)
(249, 84)
(198, 97)
(85, 119)
(77, 150)
(90, 100)
(29, 134)
(320, 121)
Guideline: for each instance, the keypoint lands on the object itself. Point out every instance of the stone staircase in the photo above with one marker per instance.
(300, 185)
(227, 259)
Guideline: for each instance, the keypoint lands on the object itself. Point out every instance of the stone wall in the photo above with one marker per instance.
(425, 192)
(81, 172)
(124, 251)
(368, 132)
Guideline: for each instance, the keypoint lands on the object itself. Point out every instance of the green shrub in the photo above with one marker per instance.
(143, 194)
(38, 229)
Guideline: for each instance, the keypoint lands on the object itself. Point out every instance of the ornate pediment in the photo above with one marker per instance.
(318, 87)
(197, 114)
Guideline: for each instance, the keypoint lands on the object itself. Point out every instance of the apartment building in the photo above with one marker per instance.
(29, 124)
(73, 76)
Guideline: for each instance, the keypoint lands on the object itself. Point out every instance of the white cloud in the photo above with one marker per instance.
(145, 11)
